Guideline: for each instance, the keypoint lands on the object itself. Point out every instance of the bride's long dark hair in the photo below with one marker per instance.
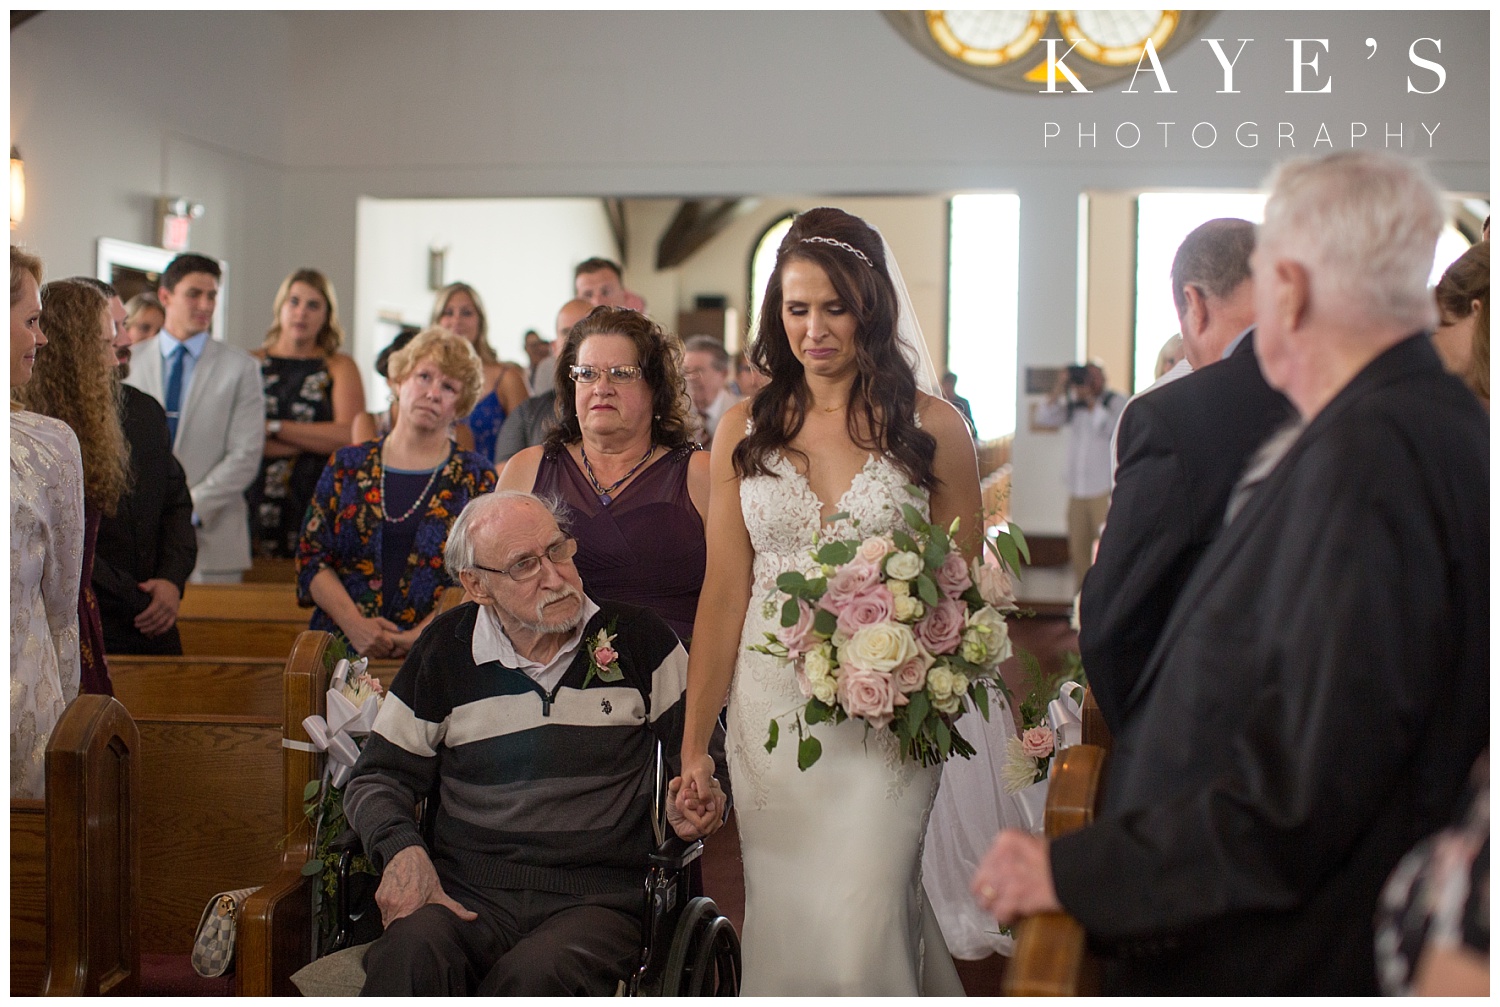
(882, 402)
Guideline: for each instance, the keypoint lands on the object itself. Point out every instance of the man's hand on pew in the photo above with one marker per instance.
(1015, 878)
(410, 882)
(161, 614)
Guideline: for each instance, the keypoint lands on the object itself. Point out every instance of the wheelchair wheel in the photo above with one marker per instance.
(705, 955)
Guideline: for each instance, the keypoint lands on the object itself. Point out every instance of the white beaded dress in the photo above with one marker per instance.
(46, 561)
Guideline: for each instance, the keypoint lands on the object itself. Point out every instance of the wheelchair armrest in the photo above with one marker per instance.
(677, 853)
(346, 842)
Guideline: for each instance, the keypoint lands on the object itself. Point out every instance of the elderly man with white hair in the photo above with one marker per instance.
(1320, 692)
(536, 713)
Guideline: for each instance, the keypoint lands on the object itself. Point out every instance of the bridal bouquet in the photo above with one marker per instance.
(898, 631)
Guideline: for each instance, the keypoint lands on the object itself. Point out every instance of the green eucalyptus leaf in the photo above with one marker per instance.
(809, 751)
(817, 712)
(311, 790)
(943, 736)
(825, 622)
(903, 541)
(917, 707)
(1020, 540)
(935, 553)
(914, 517)
(311, 868)
(981, 697)
(790, 613)
(836, 553)
(773, 736)
(927, 589)
(837, 516)
(791, 582)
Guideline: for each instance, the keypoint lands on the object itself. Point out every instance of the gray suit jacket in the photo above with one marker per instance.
(219, 442)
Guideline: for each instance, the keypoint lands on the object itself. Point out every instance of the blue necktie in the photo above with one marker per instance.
(174, 391)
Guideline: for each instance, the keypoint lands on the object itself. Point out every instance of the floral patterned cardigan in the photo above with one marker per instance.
(346, 521)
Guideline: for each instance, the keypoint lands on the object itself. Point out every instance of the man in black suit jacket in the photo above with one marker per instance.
(1319, 695)
(1181, 447)
(144, 553)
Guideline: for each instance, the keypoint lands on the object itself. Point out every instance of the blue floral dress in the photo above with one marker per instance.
(345, 528)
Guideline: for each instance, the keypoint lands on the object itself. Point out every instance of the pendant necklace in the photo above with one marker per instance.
(605, 491)
(420, 496)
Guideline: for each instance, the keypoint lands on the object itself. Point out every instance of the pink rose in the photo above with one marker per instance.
(853, 578)
(803, 685)
(868, 694)
(1037, 742)
(912, 675)
(952, 578)
(941, 629)
(798, 638)
(994, 585)
(605, 656)
(866, 609)
(874, 549)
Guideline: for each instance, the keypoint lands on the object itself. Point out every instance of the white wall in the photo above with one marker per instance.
(518, 253)
(291, 118)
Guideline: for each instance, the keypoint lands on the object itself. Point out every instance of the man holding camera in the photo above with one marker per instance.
(1081, 403)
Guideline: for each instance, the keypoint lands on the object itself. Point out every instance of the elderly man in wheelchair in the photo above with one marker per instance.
(535, 714)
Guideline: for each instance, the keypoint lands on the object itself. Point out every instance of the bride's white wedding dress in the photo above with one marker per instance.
(834, 903)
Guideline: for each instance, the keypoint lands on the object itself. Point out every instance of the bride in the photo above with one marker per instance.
(832, 856)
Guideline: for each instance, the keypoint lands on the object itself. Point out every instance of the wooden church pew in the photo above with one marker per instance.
(244, 620)
(1051, 954)
(75, 861)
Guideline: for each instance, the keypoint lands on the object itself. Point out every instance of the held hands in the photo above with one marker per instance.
(691, 817)
(375, 637)
(161, 614)
(696, 797)
(411, 882)
(1015, 878)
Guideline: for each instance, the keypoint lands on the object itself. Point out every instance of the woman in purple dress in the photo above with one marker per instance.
(634, 484)
(75, 381)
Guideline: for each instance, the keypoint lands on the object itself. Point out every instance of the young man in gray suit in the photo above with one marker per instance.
(215, 412)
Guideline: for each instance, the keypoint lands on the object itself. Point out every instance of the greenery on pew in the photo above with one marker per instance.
(354, 696)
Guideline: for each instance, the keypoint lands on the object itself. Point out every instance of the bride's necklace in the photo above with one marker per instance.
(605, 491)
(415, 503)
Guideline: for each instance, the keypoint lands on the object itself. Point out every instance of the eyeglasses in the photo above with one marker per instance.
(586, 375)
(527, 567)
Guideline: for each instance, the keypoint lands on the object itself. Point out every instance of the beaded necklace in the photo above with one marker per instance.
(605, 491)
(420, 496)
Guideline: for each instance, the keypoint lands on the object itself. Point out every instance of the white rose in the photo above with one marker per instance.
(960, 684)
(939, 682)
(825, 690)
(880, 647)
(817, 666)
(987, 641)
(908, 609)
(948, 705)
(903, 565)
(899, 588)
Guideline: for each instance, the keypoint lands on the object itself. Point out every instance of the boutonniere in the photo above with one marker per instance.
(604, 660)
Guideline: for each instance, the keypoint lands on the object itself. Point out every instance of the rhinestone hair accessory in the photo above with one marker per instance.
(844, 245)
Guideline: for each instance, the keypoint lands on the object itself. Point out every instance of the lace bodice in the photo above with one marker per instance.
(783, 515)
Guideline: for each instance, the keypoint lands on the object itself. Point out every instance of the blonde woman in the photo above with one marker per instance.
(313, 394)
(75, 381)
(46, 547)
(370, 557)
(144, 317)
(459, 310)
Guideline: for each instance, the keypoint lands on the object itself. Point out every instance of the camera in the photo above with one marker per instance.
(1078, 374)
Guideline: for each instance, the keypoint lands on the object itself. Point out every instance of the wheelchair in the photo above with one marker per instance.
(688, 947)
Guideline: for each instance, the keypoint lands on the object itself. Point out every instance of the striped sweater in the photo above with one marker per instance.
(539, 792)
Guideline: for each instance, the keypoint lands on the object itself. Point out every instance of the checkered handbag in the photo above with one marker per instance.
(213, 948)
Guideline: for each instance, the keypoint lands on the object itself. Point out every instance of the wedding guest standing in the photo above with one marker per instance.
(459, 310)
(634, 487)
(371, 555)
(46, 548)
(75, 381)
(313, 393)
(144, 317)
(1462, 338)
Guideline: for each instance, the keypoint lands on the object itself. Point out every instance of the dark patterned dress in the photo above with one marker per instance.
(646, 547)
(297, 391)
(485, 420)
(346, 528)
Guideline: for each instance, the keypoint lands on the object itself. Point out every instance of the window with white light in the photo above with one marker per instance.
(984, 259)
